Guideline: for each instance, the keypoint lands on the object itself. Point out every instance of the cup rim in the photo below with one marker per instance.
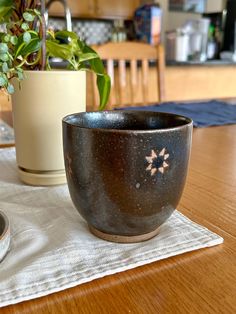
(189, 121)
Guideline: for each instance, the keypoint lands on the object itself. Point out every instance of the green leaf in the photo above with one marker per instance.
(87, 56)
(82, 45)
(37, 12)
(6, 7)
(20, 74)
(4, 57)
(3, 48)
(5, 68)
(3, 80)
(19, 70)
(70, 39)
(7, 38)
(58, 50)
(33, 46)
(103, 80)
(10, 88)
(104, 87)
(6, 3)
(26, 37)
(25, 26)
(95, 64)
(18, 49)
(14, 40)
(23, 49)
(65, 35)
(20, 43)
(28, 17)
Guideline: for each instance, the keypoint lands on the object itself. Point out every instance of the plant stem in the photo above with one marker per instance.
(43, 36)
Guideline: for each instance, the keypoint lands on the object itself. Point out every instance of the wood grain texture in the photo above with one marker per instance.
(97, 9)
(202, 281)
(193, 82)
(181, 83)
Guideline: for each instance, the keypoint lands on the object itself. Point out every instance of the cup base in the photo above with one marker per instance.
(42, 178)
(123, 239)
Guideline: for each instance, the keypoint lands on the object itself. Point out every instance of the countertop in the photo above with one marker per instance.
(198, 63)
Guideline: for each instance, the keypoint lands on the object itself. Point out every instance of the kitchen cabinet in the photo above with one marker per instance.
(78, 8)
(116, 9)
(123, 9)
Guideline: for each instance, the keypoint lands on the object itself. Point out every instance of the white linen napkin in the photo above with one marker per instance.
(52, 249)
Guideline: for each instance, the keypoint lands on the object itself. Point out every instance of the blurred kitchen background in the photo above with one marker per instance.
(192, 31)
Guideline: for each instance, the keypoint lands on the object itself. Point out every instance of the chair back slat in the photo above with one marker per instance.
(145, 81)
(95, 94)
(160, 73)
(122, 81)
(134, 80)
(110, 71)
(128, 64)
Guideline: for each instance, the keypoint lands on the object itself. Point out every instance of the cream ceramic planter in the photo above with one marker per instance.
(44, 98)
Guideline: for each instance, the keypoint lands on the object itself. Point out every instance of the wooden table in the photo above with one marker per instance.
(202, 281)
(6, 116)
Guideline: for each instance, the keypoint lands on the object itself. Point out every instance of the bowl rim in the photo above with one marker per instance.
(189, 121)
(6, 225)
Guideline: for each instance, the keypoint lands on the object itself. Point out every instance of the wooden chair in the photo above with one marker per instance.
(137, 72)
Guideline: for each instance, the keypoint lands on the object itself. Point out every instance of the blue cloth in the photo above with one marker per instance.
(203, 114)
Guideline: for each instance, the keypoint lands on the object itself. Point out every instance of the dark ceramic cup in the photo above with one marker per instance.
(126, 170)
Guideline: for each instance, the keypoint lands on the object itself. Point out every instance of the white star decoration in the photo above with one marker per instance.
(157, 162)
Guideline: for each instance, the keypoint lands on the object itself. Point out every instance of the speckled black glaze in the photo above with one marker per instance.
(126, 170)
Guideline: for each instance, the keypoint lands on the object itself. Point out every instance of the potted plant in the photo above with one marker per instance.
(41, 96)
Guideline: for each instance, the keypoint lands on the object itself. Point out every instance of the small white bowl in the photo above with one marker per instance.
(4, 235)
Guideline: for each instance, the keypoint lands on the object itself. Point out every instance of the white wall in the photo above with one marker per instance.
(215, 5)
(177, 19)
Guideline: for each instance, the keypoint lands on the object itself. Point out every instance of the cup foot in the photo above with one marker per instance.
(123, 239)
